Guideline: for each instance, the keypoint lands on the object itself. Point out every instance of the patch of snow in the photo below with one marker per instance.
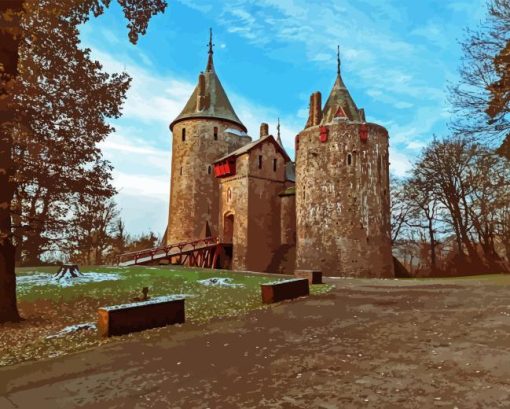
(40, 279)
(73, 328)
(219, 282)
(284, 281)
(154, 300)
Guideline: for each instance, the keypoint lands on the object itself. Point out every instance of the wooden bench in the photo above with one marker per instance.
(139, 316)
(284, 290)
(313, 276)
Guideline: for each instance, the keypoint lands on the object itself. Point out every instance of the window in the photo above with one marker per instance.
(260, 161)
(349, 159)
(184, 134)
(215, 133)
(209, 170)
(180, 171)
(274, 165)
(229, 195)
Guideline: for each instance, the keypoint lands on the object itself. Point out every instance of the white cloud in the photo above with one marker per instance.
(400, 163)
(197, 5)
(142, 185)
(126, 153)
(151, 97)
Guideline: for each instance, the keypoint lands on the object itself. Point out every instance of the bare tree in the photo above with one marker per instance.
(480, 98)
(400, 208)
(423, 215)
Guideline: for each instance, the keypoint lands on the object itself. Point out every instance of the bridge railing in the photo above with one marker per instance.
(168, 250)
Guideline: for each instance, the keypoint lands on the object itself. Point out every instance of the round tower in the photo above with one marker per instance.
(342, 190)
(206, 129)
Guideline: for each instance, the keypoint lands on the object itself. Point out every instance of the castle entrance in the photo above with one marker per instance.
(228, 228)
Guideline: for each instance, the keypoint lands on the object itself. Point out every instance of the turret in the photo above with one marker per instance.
(342, 190)
(206, 129)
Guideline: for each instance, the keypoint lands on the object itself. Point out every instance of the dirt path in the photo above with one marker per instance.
(369, 344)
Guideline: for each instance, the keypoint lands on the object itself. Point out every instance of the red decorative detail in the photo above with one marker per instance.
(363, 132)
(225, 168)
(324, 133)
(340, 113)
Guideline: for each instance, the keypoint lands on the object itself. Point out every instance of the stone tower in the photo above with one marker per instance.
(342, 190)
(206, 129)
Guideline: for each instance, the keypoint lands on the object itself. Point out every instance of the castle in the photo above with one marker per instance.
(328, 211)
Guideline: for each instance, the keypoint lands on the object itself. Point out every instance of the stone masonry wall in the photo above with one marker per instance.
(342, 209)
(288, 219)
(252, 195)
(234, 201)
(194, 194)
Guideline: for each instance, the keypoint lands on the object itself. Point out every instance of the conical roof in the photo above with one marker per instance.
(215, 101)
(340, 103)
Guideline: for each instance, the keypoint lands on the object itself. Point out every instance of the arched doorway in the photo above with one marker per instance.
(228, 228)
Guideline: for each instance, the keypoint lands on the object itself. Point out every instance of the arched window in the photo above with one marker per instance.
(349, 159)
(180, 171)
(215, 133)
(184, 134)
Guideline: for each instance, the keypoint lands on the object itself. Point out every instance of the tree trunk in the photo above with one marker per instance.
(433, 258)
(9, 43)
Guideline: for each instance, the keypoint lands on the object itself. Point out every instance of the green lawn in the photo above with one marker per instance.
(49, 308)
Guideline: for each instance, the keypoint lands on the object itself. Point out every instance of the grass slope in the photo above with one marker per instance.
(50, 308)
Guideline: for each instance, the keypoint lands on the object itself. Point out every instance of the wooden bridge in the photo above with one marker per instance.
(199, 253)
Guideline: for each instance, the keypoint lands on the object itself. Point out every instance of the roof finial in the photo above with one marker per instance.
(211, 45)
(279, 139)
(210, 65)
(338, 61)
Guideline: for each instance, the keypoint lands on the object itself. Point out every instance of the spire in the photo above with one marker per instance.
(340, 104)
(279, 138)
(210, 64)
(338, 61)
(209, 99)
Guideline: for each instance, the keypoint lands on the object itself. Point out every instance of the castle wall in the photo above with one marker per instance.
(194, 191)
(288, 219)
(252, 195)
(234, 201)
(343, 211)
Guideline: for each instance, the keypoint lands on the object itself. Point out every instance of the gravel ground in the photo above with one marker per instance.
(367, 344)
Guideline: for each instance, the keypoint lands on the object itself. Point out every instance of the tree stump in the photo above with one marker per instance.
(68, 271)
(145, 295)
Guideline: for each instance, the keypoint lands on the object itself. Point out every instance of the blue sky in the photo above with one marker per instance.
(397, 59)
